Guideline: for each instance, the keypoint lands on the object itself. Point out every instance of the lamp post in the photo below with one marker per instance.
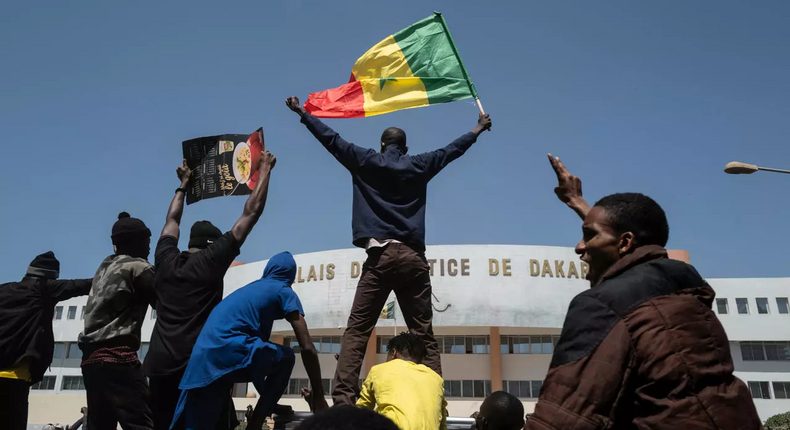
(738, 168)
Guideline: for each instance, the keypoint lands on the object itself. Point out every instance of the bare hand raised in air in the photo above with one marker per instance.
(294, 105)
(483, 124)
(569, 188)
(184, 173)
(267, 161)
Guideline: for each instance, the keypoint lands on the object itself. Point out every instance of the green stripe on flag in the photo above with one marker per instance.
(431, 58)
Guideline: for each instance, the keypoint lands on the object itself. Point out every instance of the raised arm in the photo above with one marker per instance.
(434, 161)
(349, 155)
(176, 209)
(569, 188)
(256, 201)
(309, 359)
(64, 289)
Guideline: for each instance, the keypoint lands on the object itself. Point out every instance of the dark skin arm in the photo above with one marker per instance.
(257, 200)
(294, 105)
(176, 209)
(483, 124)
(309, 358)
(569, 188)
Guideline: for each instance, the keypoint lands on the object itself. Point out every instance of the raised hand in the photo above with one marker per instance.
(184, 173)
(267, 161)
(483, 124)
(569, 188)
(294, 105)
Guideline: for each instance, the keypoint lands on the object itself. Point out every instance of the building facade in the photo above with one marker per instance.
(498, 314)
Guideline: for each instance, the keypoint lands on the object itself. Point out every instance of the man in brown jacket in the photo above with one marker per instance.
(642, 348)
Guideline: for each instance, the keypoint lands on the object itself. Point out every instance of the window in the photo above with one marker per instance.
(523, 389)
(82, 315)
(58, 312)
(295, 386)
(48, 383)
(382, 342)
(762, 351)
(74, 352)
(330, 345)
(743, 306)
(467, 388)
(73, 383)
(239, 389)
(781, 305)
(722, 307)
(477, 345)
(759, 389)
(782, 390)
(762, 305)
(454, 345)
(504, 348)
(528, 344)
(153, 314)
(57, 353)
(72, 313)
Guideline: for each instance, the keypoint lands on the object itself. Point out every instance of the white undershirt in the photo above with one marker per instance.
(376, 243)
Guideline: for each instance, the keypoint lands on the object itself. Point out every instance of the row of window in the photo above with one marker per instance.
(761, 390)
(523, 389)
(742, 304)
(68, 383)
(71, 313)
(467, 388)
(765, 351)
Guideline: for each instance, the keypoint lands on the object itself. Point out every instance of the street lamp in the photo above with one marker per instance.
(738, 168)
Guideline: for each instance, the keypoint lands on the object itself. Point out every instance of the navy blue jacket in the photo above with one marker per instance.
(389, 187)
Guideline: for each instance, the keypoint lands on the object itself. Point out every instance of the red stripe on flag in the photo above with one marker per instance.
(345, 101)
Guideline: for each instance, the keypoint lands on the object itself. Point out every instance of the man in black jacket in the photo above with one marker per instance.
(26, 339)
(389, 222)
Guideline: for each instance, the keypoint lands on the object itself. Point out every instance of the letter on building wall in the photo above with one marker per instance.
(546, 269)
(506, 267)
(355, 270)
(534, 268)
(330, 271)
(464, 267)
(452, 267)
(493, 266)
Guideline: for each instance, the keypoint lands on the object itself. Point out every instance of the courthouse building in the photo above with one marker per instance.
(498, 314)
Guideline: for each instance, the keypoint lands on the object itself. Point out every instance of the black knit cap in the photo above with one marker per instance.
(45, 266)
(202, 234)
(126, 225)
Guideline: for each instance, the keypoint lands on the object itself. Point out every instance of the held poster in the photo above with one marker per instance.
(225, 165)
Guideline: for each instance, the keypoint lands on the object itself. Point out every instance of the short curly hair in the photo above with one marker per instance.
(408, 345)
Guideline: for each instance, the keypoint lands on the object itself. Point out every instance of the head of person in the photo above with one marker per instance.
(347, 418)
(203, 234)
(131, 237)
(617, 225)
(44, 266)
(406, 346)
(395, 137)
(500, 411)
(281, 267)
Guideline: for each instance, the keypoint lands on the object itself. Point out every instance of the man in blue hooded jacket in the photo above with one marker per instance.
(234, 347)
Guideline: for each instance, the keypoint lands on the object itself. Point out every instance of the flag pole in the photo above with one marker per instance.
(472, 88)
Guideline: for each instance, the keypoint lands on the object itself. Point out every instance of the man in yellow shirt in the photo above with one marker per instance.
(405, 391)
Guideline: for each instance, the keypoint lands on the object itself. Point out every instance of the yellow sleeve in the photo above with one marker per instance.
(367, 398)
(443, 425)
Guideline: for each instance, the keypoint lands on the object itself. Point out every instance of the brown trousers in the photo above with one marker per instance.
(395, 267)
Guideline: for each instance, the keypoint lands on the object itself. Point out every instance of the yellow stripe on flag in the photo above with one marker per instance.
(388, 83)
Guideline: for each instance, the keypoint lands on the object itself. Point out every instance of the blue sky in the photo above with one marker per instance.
(654, 97)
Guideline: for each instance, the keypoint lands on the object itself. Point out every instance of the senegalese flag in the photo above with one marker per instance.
(388, 313)
(417, 66)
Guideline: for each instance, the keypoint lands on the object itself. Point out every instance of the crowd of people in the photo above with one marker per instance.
(640, 349)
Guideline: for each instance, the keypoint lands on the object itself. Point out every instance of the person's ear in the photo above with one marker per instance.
(405, 149)
(627, 243)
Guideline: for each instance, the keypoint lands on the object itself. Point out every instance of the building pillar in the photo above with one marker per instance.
(370, 352)
(679, 254)
(496, 359)
(277, 338)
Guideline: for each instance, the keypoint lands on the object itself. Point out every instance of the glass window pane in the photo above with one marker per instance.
(771, 351)
(488, 388)
(293, 386)
(765, 391)
(754, 388)
(512, 388)
(74, 352)
(447, 388)
(72, 313)
(336, 345)
(58, 312)
(466, 388)
(782, 305)
(520, 345)
(536, 345)
(82, 315)
(469, 345)
(456, 388)
(547, 345)
(479, 389)
(721, 306)
(536, 386)
(480, 345)
(523, 388)
(327, 385)
(459, 345)
(746, 351)
(762, 305)
(757, 351)
(783, 349)
(779, 390)
(743, 306)
(58, 352)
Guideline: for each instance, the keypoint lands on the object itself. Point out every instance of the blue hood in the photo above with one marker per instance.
(281, 267)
